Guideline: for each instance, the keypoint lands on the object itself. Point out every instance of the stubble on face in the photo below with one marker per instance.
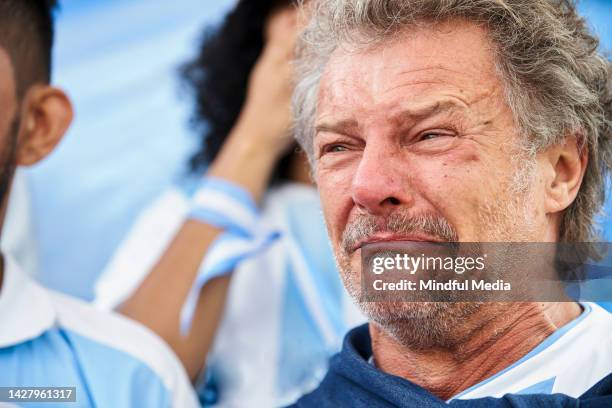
(506, 217)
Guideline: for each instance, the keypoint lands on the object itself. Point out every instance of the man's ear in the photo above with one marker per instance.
(46, 113)
(567, 163)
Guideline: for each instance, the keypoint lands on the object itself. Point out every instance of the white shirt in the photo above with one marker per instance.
(570, 361)
(18, 235)
(50, 339)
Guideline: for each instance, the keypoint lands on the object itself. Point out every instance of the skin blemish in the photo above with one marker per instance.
(473, 157)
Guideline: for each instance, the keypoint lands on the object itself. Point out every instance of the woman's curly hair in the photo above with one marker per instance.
(219, 76)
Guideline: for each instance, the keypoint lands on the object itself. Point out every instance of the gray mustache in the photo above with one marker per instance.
(399, 223)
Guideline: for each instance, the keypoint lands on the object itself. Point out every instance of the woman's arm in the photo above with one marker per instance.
(247, 158)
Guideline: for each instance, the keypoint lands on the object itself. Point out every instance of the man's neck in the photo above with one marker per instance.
(487, 351)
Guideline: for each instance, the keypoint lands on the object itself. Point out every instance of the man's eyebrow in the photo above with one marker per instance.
(340, 126)
(430, 109)
(413, 113)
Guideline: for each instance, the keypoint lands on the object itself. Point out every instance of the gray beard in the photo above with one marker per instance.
(429, 325)
(416, 325)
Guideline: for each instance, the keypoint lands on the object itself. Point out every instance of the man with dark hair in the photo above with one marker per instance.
(48, 339)
(26, 33)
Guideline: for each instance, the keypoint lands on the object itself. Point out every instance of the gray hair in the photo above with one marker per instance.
(556, 82)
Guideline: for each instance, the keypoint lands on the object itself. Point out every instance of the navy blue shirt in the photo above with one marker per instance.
(353, 382)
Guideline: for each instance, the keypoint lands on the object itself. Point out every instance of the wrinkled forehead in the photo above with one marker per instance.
(450, 59)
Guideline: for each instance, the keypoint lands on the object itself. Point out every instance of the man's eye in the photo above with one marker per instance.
(335, 148)
(332, 148)
(433, 135)
(429, 136)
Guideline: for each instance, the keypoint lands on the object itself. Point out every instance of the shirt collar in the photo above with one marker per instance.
(26, 311)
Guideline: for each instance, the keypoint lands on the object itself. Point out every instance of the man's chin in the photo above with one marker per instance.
(420, 325)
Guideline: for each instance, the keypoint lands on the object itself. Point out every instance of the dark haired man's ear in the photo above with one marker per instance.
(568, 164)
(45, 116)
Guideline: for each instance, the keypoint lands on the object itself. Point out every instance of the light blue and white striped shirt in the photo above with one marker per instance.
(286, 312)
(48, 339)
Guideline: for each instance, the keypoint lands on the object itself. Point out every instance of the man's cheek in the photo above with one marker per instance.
(333, 216)
(454, 187)
(336, 201)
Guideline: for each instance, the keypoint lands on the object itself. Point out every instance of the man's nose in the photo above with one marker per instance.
(380, 184)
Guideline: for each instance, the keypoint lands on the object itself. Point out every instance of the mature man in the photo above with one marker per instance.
(468, 121)
(48, 339)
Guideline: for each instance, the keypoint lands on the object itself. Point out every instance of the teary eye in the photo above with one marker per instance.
(435, 134)
(431, 135)
(335, 148)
